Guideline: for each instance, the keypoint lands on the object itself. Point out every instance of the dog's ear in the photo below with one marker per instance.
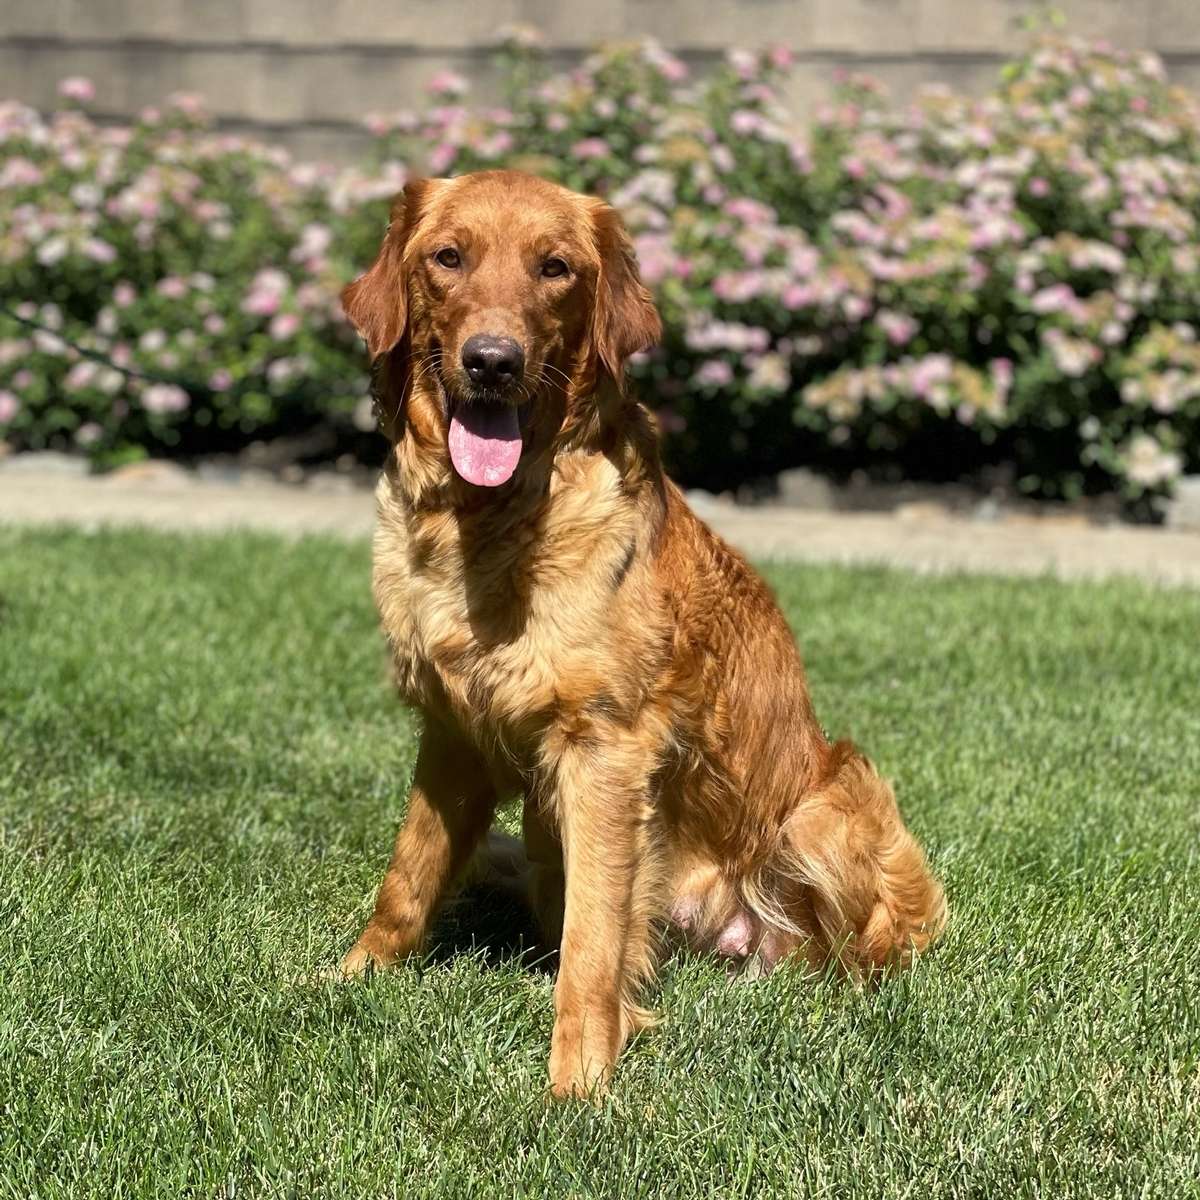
(624, 320)
(377, 301)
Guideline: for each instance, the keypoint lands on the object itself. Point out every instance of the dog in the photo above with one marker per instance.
(575, 635)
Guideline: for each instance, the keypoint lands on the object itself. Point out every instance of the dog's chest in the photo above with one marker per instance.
(503, 625)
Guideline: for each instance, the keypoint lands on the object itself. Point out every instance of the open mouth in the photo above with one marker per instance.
(485, 440)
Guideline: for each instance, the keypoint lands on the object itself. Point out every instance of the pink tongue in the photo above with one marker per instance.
(485, 443)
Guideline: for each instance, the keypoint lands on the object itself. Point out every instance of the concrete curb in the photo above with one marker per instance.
(1063, 548)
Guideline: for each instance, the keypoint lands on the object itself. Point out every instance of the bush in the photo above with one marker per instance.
(165, 288)
(933, 287)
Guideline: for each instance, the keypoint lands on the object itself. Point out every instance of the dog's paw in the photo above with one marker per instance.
(360, 962)
(576, 1074)
(591, 1086)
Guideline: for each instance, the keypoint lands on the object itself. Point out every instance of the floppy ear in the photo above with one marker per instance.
(624, 320)
(377, 301)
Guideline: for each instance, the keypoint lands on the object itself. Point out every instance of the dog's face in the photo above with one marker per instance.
(507, 298)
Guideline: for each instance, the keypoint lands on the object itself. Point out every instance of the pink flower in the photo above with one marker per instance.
(747, 123)
(899, 327)
(77, 88)
(267, 290)
(798, 295)
(1058, 298)
(441, 156)
(500, 143)
(191, 104)
(80, 375)
(88, 433)
(1001, 371)
(164, 398)
(556, 122)
(855, 308)
(928, 374)
(447, 83)
(9, 407)
(672, 69)
(738, 286)
(124, 294)
(1038, 187)
(20, 172)
(752, 212)
(284, 326)
(220, 380)
(715, 372)
(172, 287)
(590, 148)
(99, 250)
(214, 324)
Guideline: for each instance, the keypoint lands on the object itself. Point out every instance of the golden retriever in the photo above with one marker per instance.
(575, 635)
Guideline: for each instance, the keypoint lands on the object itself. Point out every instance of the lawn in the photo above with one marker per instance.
(202, 768)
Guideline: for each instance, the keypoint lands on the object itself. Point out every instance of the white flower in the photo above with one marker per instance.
(52, 250)
(1148, 463)
(770, 373)
(86, 195)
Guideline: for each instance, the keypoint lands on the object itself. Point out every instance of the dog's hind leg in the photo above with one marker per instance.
(848, 876)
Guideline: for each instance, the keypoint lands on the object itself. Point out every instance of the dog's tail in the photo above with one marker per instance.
(847, 879)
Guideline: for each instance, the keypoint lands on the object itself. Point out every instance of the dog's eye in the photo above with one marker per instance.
(448, 258)
(552, 268)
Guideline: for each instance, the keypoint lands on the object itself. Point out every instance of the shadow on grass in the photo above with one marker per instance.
(486, 921)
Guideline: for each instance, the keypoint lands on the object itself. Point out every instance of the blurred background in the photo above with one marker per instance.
(893, 241)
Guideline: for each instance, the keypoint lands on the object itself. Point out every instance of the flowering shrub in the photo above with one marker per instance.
(935, 286)
(166, 288)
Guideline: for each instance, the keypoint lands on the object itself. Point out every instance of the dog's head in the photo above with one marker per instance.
(505, 302)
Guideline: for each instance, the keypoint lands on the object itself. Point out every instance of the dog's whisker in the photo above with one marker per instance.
(547, 366)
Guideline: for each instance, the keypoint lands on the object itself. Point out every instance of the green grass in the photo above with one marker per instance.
(201, 771)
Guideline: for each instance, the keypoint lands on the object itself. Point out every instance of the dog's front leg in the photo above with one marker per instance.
(450, 807)
(610, 851)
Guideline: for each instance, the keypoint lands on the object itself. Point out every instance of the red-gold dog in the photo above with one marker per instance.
(574, 634)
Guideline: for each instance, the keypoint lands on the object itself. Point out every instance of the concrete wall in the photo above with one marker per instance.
(305, 71)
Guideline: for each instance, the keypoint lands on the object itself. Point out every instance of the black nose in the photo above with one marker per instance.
(492, 362)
